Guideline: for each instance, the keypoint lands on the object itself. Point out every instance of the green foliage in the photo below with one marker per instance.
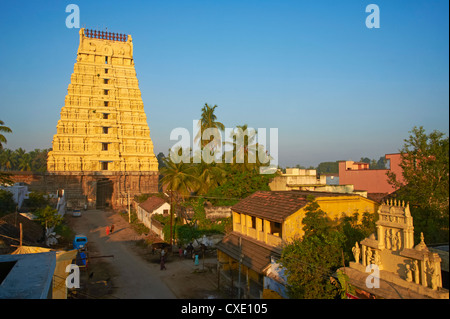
(425, 185)
(21, 160)
(311, 260)
(328, 167)
(48, 217)
(355, 230)
(3, 129)
(7, 203)
(238, 184)
(36, 200)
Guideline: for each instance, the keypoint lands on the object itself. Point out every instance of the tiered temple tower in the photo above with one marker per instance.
(103, 129)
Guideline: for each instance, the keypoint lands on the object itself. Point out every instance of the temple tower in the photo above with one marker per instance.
(103, 129)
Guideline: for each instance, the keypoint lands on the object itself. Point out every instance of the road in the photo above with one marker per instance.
(134, 277)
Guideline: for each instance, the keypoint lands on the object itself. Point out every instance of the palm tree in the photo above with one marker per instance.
(246, 153)
(208, 176)
(208, 120)
(7, 159)
(180, 181)
(3, 129)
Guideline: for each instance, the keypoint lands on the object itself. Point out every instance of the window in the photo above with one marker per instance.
(104, 146)
(105, 116)
(253, 224)
(106, 71)
(105, 130)
(105, 92)
(104, 166)
(106, 103)
(275, 228)
(106, 60)
(105, 81)
(165, 212)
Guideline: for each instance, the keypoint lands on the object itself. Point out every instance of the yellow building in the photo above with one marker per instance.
(103, 126)
(267, 220)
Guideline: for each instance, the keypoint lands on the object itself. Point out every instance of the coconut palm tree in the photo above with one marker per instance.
(208, 176)
(208, 120)
(246, 153)
(3, 129)
(180, 181)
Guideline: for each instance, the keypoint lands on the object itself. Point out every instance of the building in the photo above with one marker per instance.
(307, 180)
(152, 205)
(388, 265)
(27, 276)
(374, 181)
(263, 223)
(102, 148)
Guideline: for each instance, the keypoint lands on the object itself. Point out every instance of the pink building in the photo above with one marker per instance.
(370, 180)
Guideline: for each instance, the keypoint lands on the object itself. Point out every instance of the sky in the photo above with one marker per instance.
(334, 88)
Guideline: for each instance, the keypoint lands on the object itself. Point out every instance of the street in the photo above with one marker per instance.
(132, 272)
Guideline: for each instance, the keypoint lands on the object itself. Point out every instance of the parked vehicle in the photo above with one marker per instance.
(76, 213)
(80, 242)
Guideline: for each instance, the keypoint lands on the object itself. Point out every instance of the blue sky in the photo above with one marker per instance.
(335, 89)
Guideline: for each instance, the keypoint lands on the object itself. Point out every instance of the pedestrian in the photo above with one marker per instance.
(163, 265)
(180, 251)
(112, 228)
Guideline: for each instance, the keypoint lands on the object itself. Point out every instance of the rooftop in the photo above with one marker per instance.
(278, 205)
(152, 203)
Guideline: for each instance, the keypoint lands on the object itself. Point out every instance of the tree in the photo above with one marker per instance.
(425, 182)
(3, 129)
(49, 217)
(7, 203)
(4, 178)
(208, 176)
(237, 185)
(160, 158)
(208, 120)
(328, 167)
(310, 261)
(180, 180)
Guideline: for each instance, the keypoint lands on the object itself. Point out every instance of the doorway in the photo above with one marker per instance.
(105, 189)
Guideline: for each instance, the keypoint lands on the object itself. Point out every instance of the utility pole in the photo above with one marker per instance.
(129, 211)
(171, 217)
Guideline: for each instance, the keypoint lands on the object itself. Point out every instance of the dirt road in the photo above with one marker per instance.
(133, 273)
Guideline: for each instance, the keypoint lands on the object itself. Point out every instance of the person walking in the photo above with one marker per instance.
(163, 257)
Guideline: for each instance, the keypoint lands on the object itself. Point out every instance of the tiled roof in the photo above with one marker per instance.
(152, 203)
(277, 205)
(256, 254)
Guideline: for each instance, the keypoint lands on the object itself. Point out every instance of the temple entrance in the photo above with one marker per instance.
(104, 193)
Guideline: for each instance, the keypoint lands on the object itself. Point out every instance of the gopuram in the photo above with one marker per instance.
(102, 151)
(389, 266)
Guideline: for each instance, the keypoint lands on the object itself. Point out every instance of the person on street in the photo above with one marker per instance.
(163, 261)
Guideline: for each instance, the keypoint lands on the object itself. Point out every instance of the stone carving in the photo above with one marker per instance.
(356, 252)
(80, 135)
(414, 268)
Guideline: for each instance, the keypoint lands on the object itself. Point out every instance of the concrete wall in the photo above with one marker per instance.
(370, 180)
